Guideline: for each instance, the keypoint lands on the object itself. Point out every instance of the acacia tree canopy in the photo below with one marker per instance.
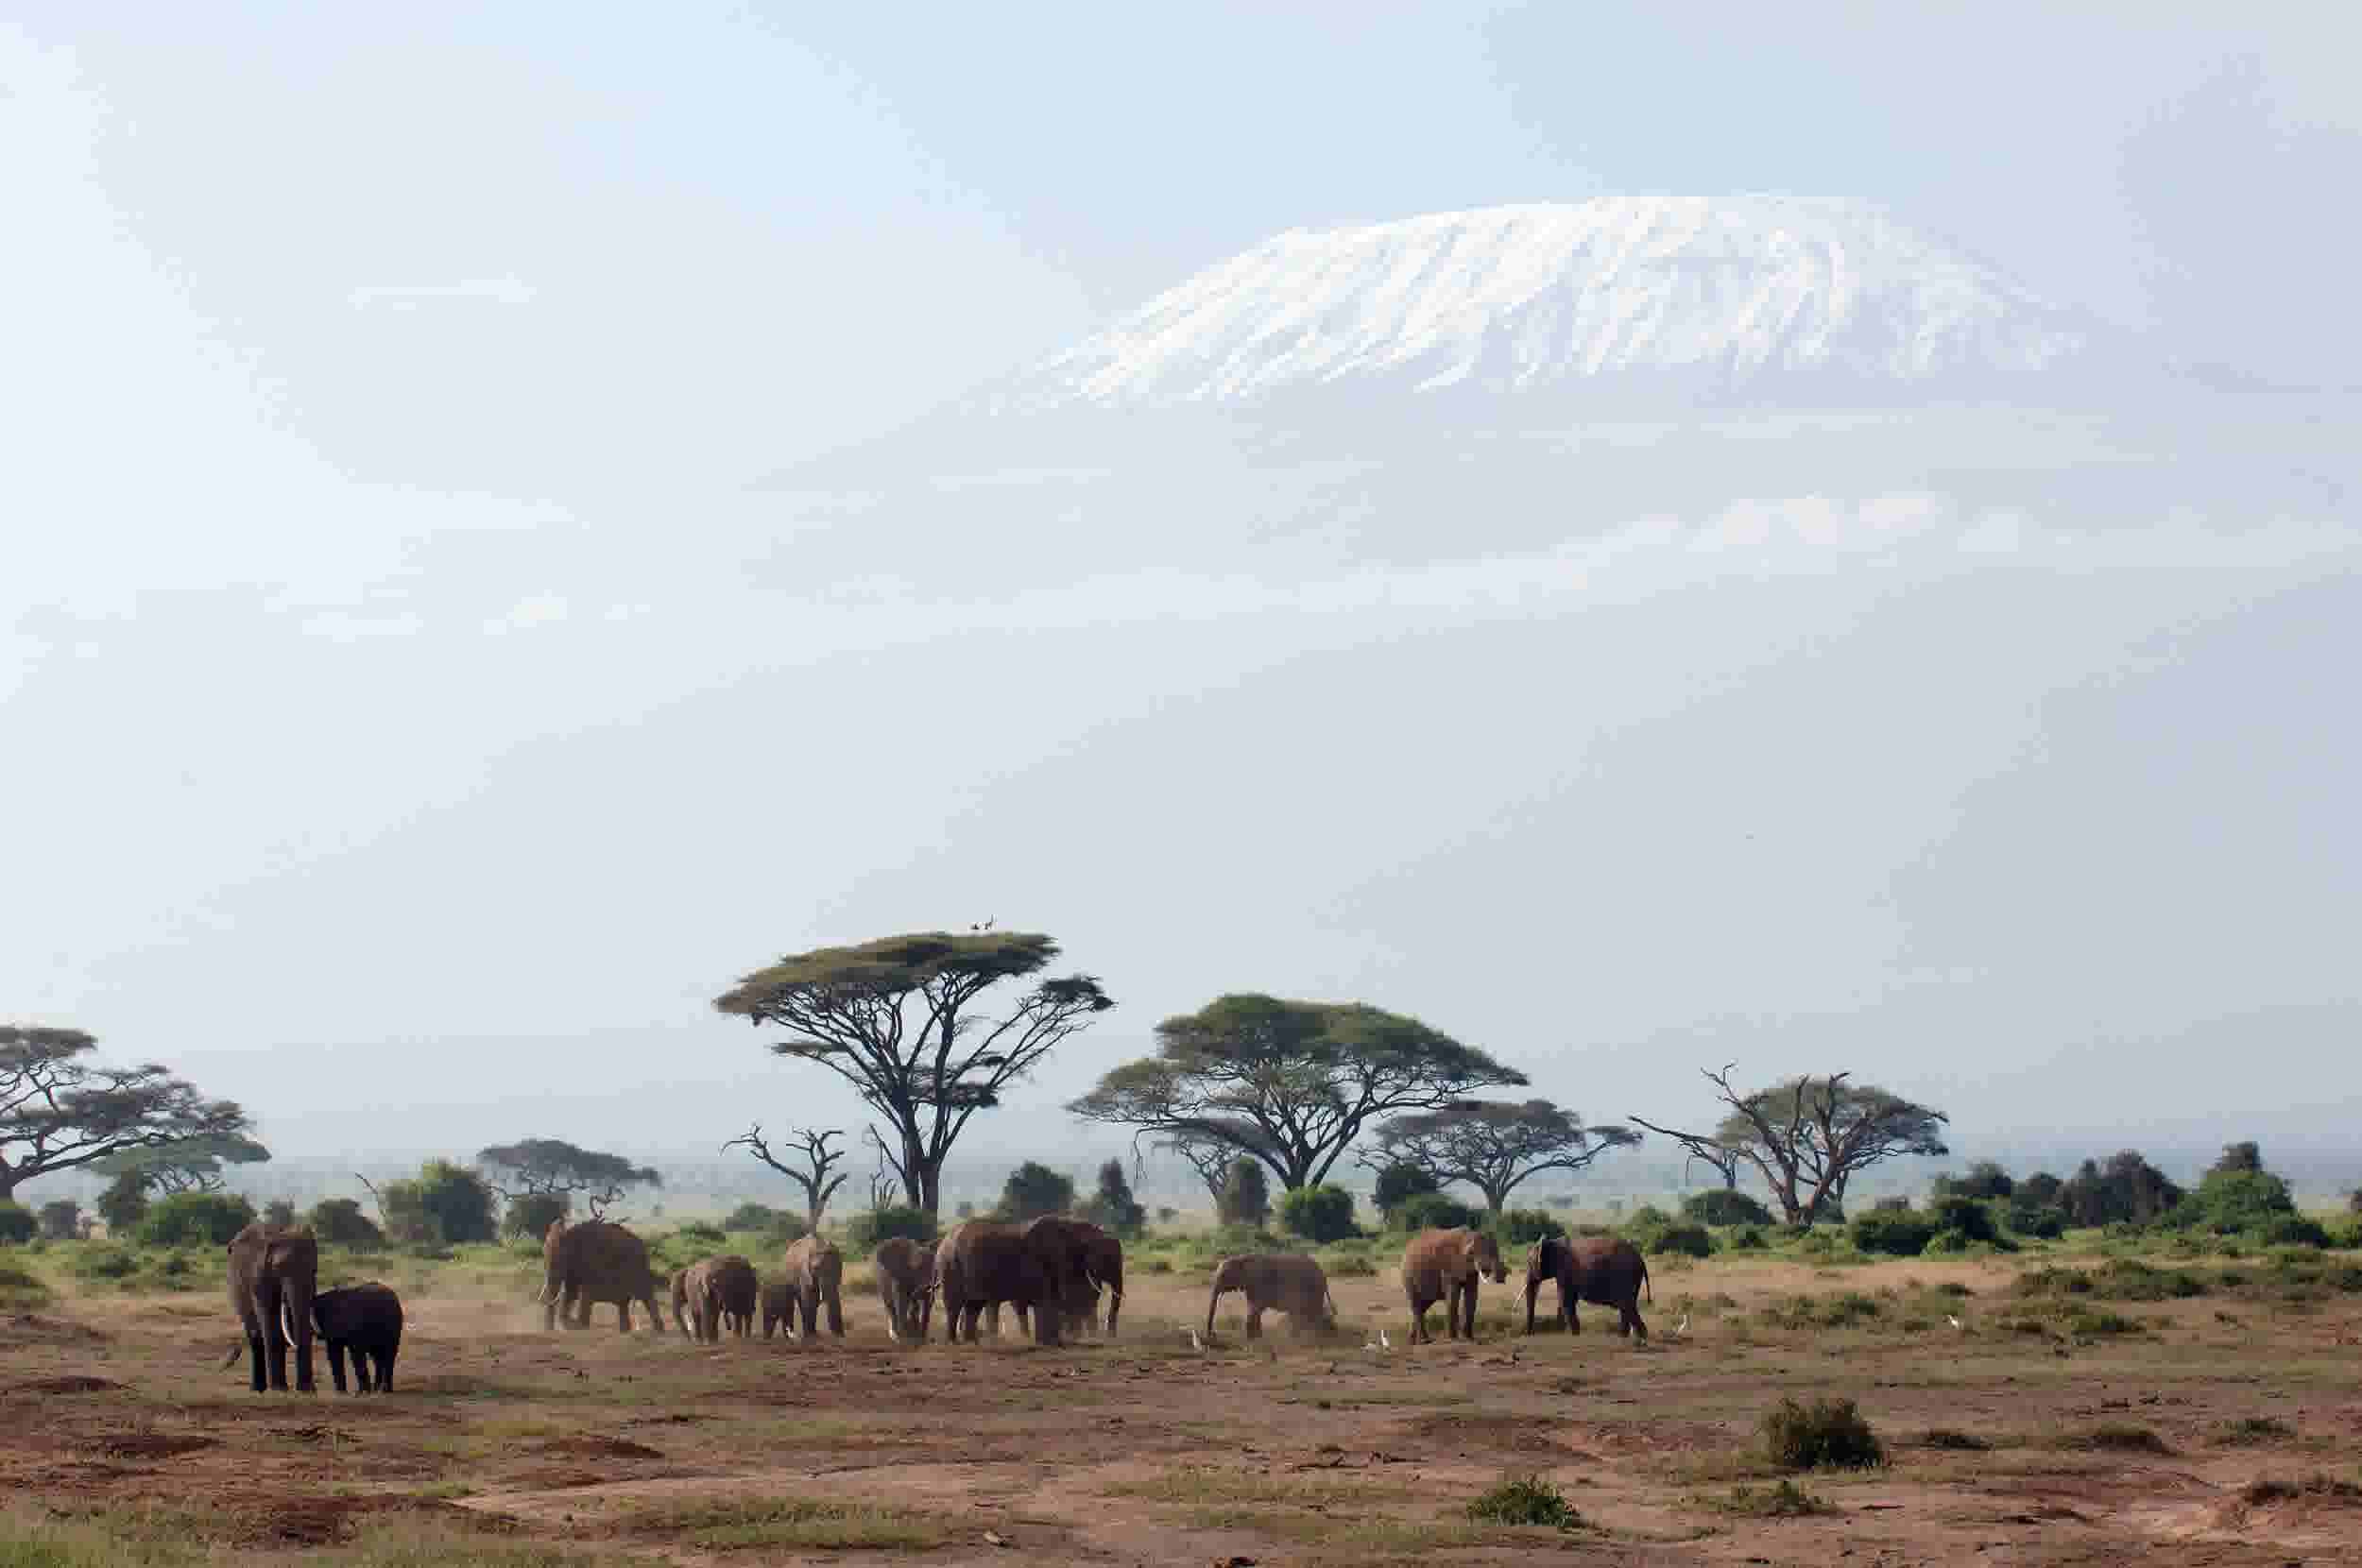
(1288, 1083)
(59, 1111)
(1808, 1137)
(903, 1020)
(554, 1167)
(186, 1165)
(1494, 1147)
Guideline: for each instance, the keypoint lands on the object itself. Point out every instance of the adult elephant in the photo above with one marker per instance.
(1102, 1265)
(982, 1263)
(364, 1320)
(815, 1270)
(906, 1285)
(778, 1307)
(274, 1273)
(596, 1262)
(1604, 1271)
(1445, 1265)
(714, 1293)
(1274, 1282)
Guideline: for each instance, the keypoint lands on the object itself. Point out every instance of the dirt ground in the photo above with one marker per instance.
(2145, 1442)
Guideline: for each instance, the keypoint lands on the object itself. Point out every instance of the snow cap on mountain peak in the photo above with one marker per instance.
(1731, 290)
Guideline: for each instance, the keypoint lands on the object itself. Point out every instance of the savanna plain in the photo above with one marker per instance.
(2083, 1402)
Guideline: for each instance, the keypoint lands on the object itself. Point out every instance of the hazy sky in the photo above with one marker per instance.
(398, 642)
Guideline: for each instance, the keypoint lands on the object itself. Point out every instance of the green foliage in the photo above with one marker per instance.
(1523, 1227)
(1747, 1238)
(189, 1219)
(61, 1220)
(2238, 1158)
(1398, 1180)
(2125, 1190)
(148, 1272)
(1845, 1309)
(20, 1290)
(1432, 1211)
(1973, 1219)
(444, 1205)
(1033, 1190)
(763, 1220)
(59, 1110)
(1245, 1195)
(122, 1203)
(1526, 1500)
(1318, 1214)
(1688, 1240)
(340, 1223)
(865, 1230)
(551, 1167)
(1894, 1233)
(1829, 1434)
(1724, 1206)
(1984, 1180)
(531, 1213)
(1496, 1147)
(2293, 1230)
(17, 1222)
(2043, 1222)
(2234, 1199)
(2041, 1187)
(702, 1231)
(1113, 1207)
(1783, 1500)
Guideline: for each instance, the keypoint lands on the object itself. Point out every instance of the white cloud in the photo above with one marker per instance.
(475, 291)
(533, 610)
(347, 626)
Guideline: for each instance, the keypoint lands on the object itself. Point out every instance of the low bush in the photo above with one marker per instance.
(1846, 1309)
(531, 1213)
(1526, 1500)
(1944, 1436)
(2113, 1436)
(18, 1225)
(1829, 1434)
(19, 1290)
(1685, 1240)
(1724, 1206)
(2118, 1280)
(1784, 1499)
(2274, 1489)
(61, 1220)
(339, 1222)
(865, 1230)
(2043, 1221)
(1523, 1227)
(1425, 1211)
(763, 1220)
(2293, 1230)
(2249, 1430)
(1975, 1219)
(1747, 1238)
(700, 1230)
(1893, 1233)
(1319, 1214)
(188, 1218)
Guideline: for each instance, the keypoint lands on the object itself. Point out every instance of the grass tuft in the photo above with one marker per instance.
(1944, 1436)
(721, 1525)
(1784, 1499)
(2252, 1429)
(1829, 1434)
(1526, 1500)
(2114, 1436)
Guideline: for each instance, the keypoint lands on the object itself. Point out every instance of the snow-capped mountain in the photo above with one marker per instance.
(1752, 292)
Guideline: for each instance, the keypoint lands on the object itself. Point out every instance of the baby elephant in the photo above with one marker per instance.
(367, 1320)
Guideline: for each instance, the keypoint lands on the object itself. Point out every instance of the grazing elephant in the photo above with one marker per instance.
(273, 1276)
(981, 1263)
(595, 1262)
(906, 1284)
(1274, 1282)
(1602, 1269)
(367, 1320)
(715, 1293)
(816, 1272)
(1445, 1265)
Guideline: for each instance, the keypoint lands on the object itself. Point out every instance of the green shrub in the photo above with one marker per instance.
(1724, 1206)
(1432, 1211)
(1321, 1213)
(1400, 1181)
(2293, 1230)
(1944, 1436)
(2115, 1436)
(1113, 1207)
(339, 1222)
(2248, 1430)
(2235, 1199)
(1786, 1500)
(1829, 1434)
(1845, 1309)
(1033, 1190)
(1523, 1227)
(461, 1203)
(19, 1290)
(1894, 1233)
(189, 1219)
(865, 1230)
(18, 1223)
(762, 1220)
(1526, 1500)
(1973, 1217)
(531, 1213)
(2043, 1222)
(1686, 1241)
(700, 1230)
(1648, 1216)
(61, 1220)
(1245, 1195)
(1747, 1238)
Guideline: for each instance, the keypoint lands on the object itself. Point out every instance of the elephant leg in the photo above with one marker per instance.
(623, 1315)
(1253, 1321)
(270, 1306)
(1469, 1302)
(836, 1314)
(1418, 1321)
(1115, 1306)
(255, 1350)
(1633, 1323)
(337, 1367)
(1452, 1309)
(1533, 1289)
(386, 1368)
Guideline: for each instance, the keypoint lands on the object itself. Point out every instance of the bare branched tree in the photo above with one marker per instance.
(1808, 1138)
(813, 1159)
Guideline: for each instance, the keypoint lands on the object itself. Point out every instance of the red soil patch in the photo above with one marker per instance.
(598, 1448)
(70, 1384)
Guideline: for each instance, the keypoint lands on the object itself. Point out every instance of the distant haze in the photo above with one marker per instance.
(481, 580)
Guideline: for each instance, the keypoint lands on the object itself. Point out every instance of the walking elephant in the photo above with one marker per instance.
(714, 1293)
(778, 1307)
(814, 1271)
(1602, 1269)
(273, 1276)
(982, 1263)
(906, 1285)
(364, 1320)
(1274, 1282)
(1444, 1266)
(1103, 1262)
(596, 1262)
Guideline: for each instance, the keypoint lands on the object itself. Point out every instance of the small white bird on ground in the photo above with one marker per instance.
(1196, 1343)
(1384, 1343)
(1682, 1327)
(1954, 1321)
(1373, 1345)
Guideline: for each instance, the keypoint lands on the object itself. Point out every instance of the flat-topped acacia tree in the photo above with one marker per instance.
(1288, 1083)
(59, 1111)
(553, 1167)
(1493, 1146)
(907, 1021)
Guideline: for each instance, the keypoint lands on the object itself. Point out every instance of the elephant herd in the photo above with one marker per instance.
(1050, 1272)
